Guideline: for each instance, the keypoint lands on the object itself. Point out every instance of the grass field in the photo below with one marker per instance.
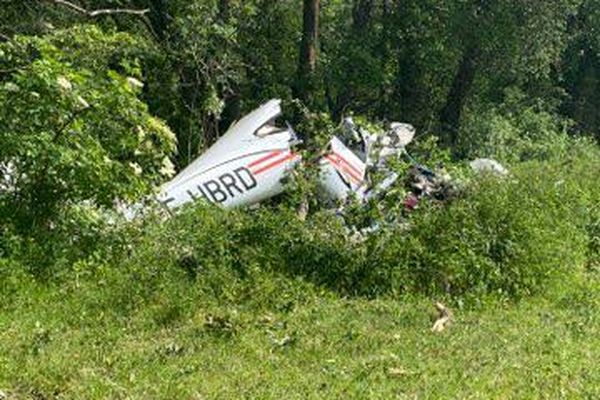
(291, 340)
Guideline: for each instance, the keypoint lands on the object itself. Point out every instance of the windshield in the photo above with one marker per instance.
(352, 137)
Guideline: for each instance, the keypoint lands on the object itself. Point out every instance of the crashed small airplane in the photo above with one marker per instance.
(248, 163)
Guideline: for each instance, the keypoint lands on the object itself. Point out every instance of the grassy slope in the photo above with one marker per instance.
(302, 343)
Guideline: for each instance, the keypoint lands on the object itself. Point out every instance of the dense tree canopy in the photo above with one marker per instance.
(431, 63)
(461, 70)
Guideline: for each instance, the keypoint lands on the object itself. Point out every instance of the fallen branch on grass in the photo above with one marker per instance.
(444, 318)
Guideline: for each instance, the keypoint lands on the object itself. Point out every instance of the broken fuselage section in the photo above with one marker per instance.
(245, 166)
(249, 163)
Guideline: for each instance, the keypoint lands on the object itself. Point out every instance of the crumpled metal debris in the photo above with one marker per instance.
(488, 165)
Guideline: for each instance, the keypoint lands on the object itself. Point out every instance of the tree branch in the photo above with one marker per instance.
(97, 13)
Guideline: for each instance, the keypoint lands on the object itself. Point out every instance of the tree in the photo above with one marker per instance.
(450, 115)
(73, 133)
(581, 65)
(308, 51)
(506, 43)
(432, 63)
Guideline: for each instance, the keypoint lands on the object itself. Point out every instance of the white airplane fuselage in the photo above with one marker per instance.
(248, 163)
(245, 166)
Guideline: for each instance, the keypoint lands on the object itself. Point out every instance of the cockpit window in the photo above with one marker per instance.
(269, 128)
(266, 130)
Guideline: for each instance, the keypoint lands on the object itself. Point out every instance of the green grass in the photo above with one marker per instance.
(288, 339)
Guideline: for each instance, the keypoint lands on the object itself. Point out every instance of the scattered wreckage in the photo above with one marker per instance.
(249, 162)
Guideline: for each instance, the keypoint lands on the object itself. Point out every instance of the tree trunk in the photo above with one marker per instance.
(363, 11)
(387, 8)
(224, 7)
(308, 50)
(455, 101)
(159, 18)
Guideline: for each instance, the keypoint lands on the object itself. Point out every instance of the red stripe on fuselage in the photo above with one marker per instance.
(337, 164)
(265, 158)
(348, 164)
(275, 163)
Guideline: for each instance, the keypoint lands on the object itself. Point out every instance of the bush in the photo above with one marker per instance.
(71, 134)
(514, 131)
(508, 237)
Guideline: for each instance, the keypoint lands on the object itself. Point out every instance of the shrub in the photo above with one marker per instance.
(506, 237)
(72, 134)
(514, 131)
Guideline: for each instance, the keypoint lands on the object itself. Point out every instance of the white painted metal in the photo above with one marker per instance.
(342, 171)
(245, 166)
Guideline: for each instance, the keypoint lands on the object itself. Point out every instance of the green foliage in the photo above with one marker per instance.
(593, 228)
(502, 236)
(315, 131)
(75, 341)
(266, 42)
(581, 63)
(73, 134)
(267, 295)
(505, 237)
(207, 62)
(508, 237)
(517, 130)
